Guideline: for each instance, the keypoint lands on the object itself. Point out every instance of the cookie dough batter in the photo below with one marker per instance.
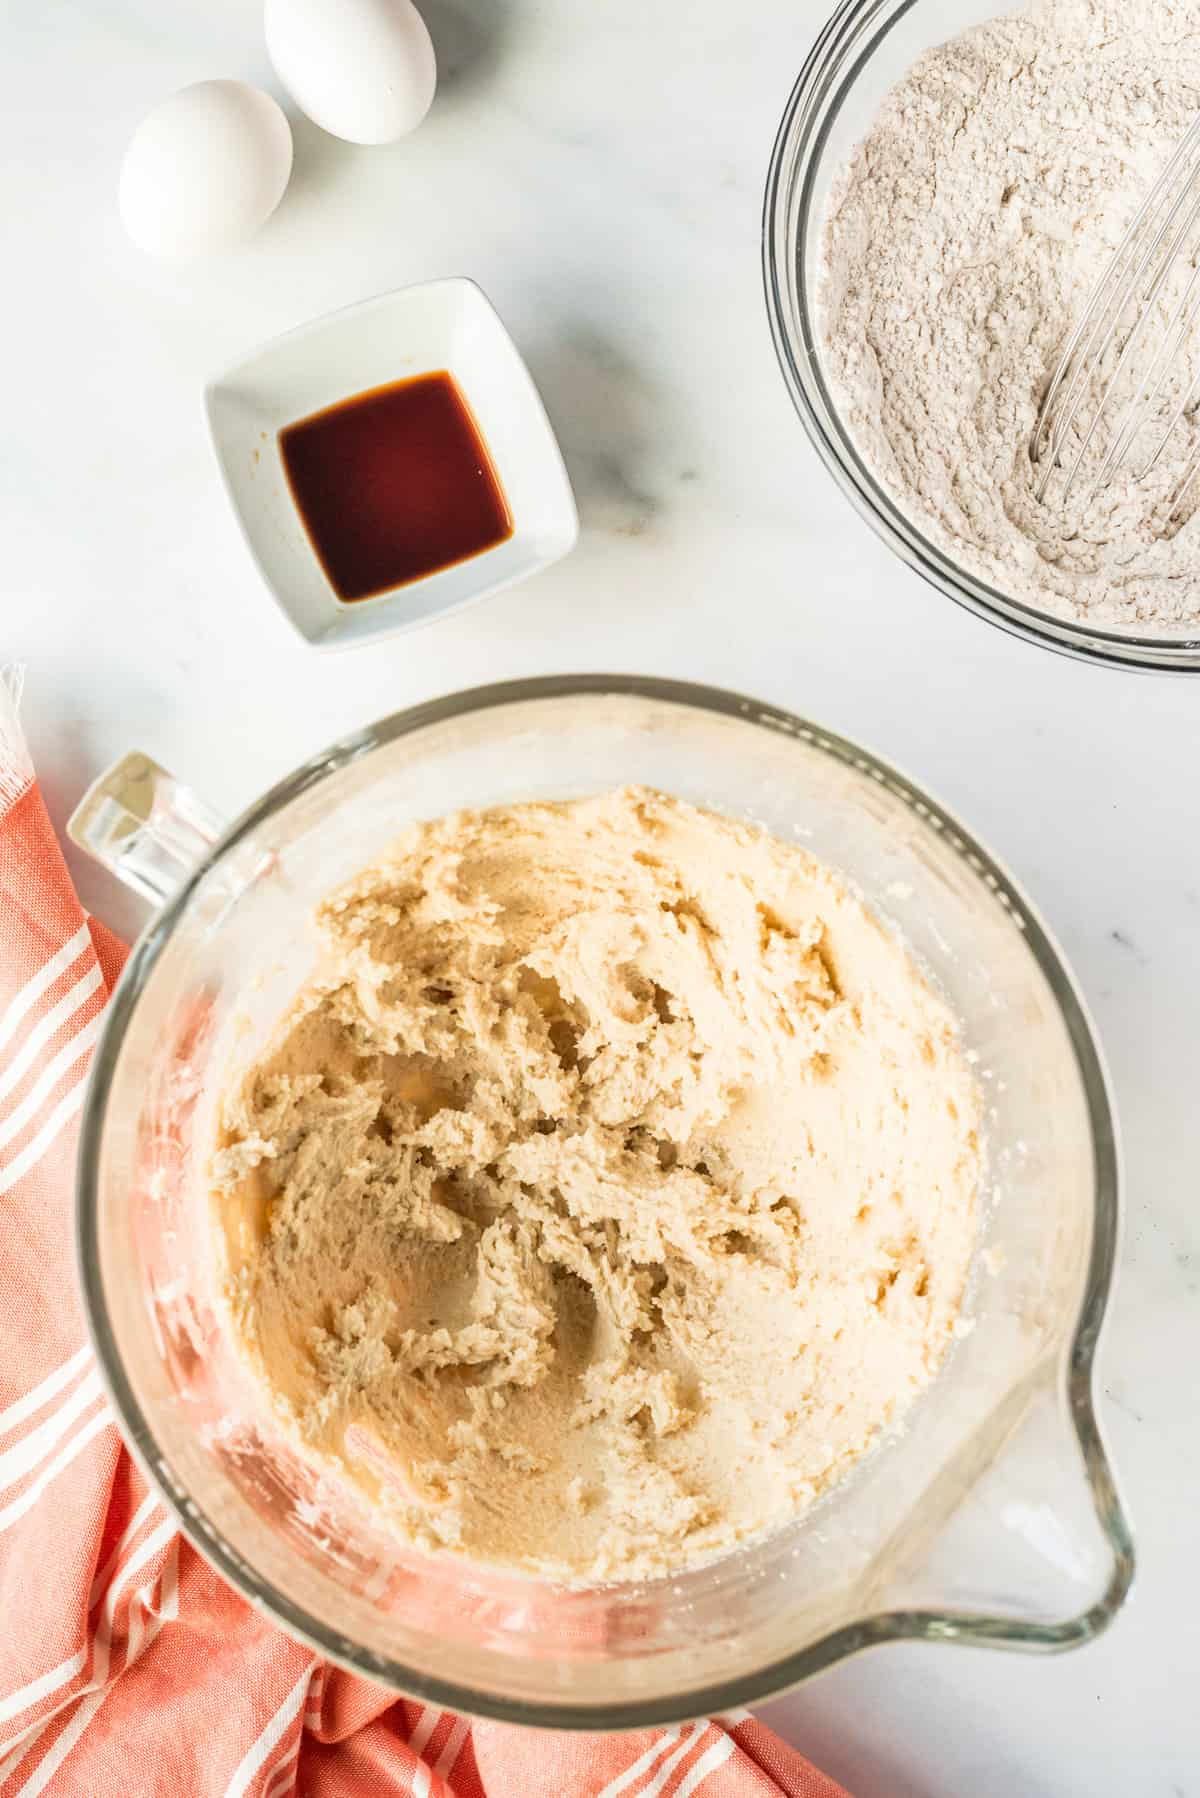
(608, 1189)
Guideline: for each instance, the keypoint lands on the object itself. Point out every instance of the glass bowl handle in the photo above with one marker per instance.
(144, 826)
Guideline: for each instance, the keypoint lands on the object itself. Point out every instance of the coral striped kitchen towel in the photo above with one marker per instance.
(127, 1667)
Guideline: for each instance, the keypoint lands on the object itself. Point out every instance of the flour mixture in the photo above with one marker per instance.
(960, 246)
(607, 1191)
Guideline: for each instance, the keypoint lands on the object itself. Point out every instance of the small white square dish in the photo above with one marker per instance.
(441, 326)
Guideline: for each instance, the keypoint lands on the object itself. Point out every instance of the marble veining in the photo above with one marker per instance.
(600, 175)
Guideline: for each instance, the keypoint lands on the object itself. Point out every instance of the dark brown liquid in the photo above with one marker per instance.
(393, 484)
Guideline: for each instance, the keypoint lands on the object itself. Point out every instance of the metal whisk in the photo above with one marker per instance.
(1162, 238)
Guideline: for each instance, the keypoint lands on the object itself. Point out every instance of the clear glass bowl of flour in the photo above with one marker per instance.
(990, 1518)
(865, 48)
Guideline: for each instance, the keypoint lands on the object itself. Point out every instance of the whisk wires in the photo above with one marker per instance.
(1122, 313)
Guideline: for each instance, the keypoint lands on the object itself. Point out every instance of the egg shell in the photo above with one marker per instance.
(205, 169)
(363, 70)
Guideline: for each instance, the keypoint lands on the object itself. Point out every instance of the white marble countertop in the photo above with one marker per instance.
(599, 171)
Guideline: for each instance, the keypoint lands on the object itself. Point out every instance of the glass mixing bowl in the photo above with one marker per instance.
(862, 52)
(991, 1518)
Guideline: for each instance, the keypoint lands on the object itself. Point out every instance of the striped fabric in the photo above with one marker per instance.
(127, 1667)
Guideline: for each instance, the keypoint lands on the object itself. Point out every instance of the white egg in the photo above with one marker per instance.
(362, 69)
(205, 170)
